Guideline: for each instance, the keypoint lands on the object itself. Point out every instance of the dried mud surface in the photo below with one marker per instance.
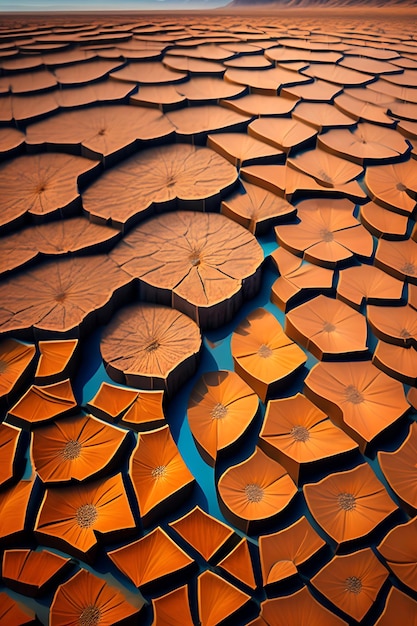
(205, 215)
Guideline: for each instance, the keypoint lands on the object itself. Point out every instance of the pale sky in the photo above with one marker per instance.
(101, 5)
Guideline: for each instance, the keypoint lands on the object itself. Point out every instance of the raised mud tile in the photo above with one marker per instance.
(74, 235)
(6, 108)
(369, 66)
(150, 346)
(398, 549)
(398, 603)
(282, 551)
(31, 82)
(221, 408)
(316, 91)
(69, 517)
(217, 598)
(398, 258)
(168, 176)
(283, 54)
(300, 606)
(258, 104)
(193, 123)
(43, 185)
(101, 92)
(254, 492)
(15, 360)
(248, 61)
(86, 598)
(367, 283)
(327, 169)
(265, 81)
(364, 111)
(335, 73)
(202, 263)
(242, 149)
(151, 559)
(262, 353)
(146, 412)
(352, 582)
(383, 222)
(14, 502)
(256, 209)
(203, 89)
(328, 234)
(321, 115)
(161, 479)
(76, 448)
(10, 438)
(294, 184)
(111, 401)
(207, 535)
(43, 403)
(400, 92)
(285, 134)
(26, 109)
(297, 433)
(238, 563)
(367, 143)
(298, 280)
(106, 131)
(205, 51)
(328, 328)
(408, 128)
(83, 73)
(366, 94)
(19, 63)
(68, 56)
(349, 505)
(408, 78)
(32, 572)
(192, 66)
(173, 607)
(63, 296)
(396, 325)
(11, 139)
(57, 360)
(12, 611)
(358, 397)
(159, 96)
(372, 52)
(396, 361)
(398, 468)
(148, 73)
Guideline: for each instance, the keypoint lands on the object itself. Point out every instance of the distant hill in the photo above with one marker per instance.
(334, 4)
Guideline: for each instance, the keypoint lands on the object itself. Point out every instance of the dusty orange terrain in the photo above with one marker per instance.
(208, 316)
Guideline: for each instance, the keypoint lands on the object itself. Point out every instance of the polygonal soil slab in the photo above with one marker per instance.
(105, 131)
(348, 505)
(60, 296)
(253, 492)
(262, 353)
(180, 174)
(359, 397)
(41, 185)
(220, 409)
(328, 233)
(256, 209)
